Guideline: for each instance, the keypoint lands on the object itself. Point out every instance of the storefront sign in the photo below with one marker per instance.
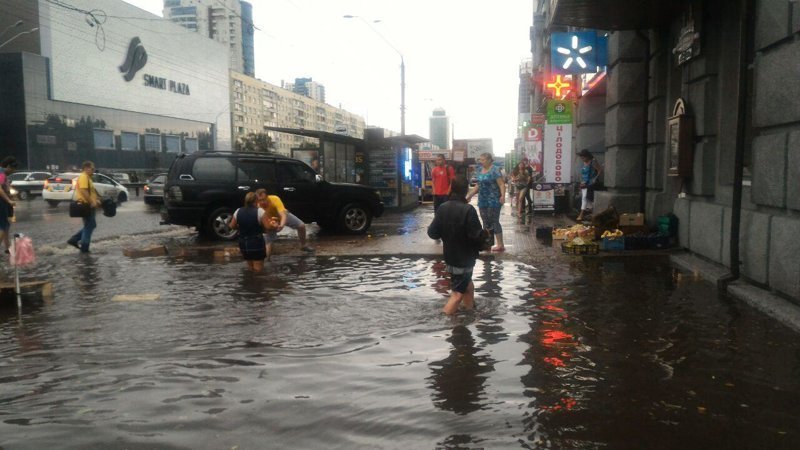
(544, 198)
(558, 153)
(431, 155)
(458, 155)
(577, 52)
(165, 84)
(135, 60)
(559, 112)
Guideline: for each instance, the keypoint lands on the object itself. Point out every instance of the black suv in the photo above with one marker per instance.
(203, 190)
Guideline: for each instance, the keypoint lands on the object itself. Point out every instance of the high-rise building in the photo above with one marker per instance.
(257, 104)
(307, 87)
(227, 21)
(439, 124)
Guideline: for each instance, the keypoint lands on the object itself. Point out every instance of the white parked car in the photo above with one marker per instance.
(27, 184)
(61, 188)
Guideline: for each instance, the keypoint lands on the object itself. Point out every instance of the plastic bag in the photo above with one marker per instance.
(21, 252)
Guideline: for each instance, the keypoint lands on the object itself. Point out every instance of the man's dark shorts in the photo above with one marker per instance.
(460, 282)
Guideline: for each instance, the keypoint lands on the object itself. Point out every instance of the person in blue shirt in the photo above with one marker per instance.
(590, 172)
(491, 190)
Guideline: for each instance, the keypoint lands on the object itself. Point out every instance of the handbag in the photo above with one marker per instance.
(78, 209)
(109, 207)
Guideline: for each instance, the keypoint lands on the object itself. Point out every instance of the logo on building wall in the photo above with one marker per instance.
(134, 60)
(577, 52)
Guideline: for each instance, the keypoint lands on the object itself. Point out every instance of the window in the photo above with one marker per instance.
(173, 144)
(103, 139)
(256, 171)
(18, 176)
(214, 170)
(184, 11)
(295, 173)
(152, 142)
(129, 141)
(41, 176)
(190, 144)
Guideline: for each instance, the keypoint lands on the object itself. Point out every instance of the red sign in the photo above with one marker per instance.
(534, 133)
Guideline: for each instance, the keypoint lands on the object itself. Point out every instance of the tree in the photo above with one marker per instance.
(255, 142)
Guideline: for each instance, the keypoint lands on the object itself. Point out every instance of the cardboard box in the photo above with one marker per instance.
(631, 219)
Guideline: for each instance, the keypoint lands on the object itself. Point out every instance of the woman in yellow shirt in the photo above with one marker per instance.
(274, 208)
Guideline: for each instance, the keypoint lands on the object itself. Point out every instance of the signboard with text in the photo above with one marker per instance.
(558, 142)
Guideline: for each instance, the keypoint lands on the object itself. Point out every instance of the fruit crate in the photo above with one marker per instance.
(613, 244)
(590, 248)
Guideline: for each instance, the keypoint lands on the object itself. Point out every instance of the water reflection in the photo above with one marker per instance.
(571, 355)
(458, 380)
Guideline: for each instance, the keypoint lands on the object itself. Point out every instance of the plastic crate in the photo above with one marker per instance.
(613, 244)
(591, 248)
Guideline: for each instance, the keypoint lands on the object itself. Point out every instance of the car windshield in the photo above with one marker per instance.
(18, 176)
(158, 179)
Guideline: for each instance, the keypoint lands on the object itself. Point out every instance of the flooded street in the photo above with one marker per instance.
(353, 352)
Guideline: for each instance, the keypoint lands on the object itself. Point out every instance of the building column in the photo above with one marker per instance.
(624, 121)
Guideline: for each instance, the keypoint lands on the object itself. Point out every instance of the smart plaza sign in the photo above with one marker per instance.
(135, 60)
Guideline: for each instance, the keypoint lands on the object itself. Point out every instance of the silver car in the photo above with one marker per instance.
(154, 189)
(27, 184)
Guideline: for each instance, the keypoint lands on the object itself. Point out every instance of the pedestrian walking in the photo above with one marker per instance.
(86, 194)
(529, 189)
(521, 179)
(491, 192)
(456, 224)
(442, 176)
(590, 172)
(275, 210)
(252, 222)
(8, 166)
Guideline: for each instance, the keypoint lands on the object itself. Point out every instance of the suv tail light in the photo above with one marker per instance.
(175, 194)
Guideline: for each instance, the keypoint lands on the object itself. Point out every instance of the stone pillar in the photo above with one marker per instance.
(624, 121)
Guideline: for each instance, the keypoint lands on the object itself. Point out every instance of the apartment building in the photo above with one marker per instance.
(256, 104)
(227, 21)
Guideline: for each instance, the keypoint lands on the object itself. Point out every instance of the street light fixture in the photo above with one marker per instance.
(402, 71)
(18, 35)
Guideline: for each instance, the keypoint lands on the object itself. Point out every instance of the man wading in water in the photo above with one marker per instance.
(456, 224)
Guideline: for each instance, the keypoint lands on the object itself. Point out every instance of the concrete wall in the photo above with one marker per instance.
(770, 220)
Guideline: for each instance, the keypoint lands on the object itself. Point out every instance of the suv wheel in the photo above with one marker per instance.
(354, 218)
(23, 195)
(217, 225)
(122, 198)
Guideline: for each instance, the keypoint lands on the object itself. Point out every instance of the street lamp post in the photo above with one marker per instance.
(18, 35)
(402, 72)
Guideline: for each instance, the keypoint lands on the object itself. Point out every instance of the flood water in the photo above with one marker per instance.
(325, 352)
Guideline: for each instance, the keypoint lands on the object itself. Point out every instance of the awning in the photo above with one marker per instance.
(322, 135)
(615, 14)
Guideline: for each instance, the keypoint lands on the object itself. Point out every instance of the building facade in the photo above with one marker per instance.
(126, 99)
(698, 116)
(256, 104)
(439, 128)
(307, 87)
(227, 21)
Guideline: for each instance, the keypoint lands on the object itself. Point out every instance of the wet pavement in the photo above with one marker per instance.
(347, 348)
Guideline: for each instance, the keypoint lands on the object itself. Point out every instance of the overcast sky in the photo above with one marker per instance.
(461, 55)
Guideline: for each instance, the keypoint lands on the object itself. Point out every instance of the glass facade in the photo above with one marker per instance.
(41, 132)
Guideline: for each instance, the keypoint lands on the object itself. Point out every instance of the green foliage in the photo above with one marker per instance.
(255, 142)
